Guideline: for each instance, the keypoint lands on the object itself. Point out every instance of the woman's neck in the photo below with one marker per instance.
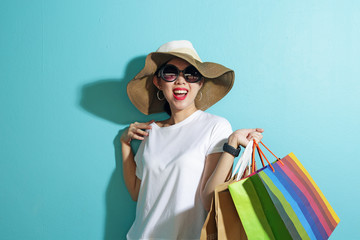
(180, 115)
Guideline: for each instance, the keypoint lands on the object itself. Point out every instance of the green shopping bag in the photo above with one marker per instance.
(258, 213)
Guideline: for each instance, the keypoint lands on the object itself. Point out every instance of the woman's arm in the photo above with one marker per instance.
(132, 182)
(134, 131)
(218, 165)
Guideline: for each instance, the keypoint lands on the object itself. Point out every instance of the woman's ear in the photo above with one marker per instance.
(156, 82)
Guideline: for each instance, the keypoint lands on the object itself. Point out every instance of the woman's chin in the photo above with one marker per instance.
(181, 106)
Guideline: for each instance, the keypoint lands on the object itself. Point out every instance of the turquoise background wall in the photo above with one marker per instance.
(64, 66)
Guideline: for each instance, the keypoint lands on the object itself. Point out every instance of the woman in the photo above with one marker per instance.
(181, 159)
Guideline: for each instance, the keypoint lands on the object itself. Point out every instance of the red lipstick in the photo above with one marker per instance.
(180, 93)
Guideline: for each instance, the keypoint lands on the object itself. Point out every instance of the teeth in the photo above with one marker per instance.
(180, 91)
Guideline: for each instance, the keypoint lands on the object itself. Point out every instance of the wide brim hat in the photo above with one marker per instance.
(218, 79)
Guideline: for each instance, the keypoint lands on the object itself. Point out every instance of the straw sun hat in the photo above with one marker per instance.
(218, 80)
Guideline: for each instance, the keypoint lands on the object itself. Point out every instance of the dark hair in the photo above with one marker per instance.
(167, 108)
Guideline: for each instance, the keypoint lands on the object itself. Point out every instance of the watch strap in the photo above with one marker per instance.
(230, 149)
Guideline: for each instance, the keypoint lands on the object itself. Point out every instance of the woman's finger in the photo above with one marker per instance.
(258, 135)
(134, 135)
(256, 139)
(141, 132)
(255, 135)
(143, 125)
(135, 130)
(252, 134)
(137, 137)
(260, 130)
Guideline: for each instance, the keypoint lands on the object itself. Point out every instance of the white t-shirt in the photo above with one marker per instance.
(170, 162)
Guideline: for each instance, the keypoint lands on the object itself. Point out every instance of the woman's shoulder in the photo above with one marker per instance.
(218, 125)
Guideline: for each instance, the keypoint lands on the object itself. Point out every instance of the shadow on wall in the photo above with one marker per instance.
(120, 208)
(108, 99)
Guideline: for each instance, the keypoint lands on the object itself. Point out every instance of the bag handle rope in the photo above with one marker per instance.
(261, 154)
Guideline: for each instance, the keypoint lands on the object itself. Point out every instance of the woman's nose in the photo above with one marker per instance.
(180, 79)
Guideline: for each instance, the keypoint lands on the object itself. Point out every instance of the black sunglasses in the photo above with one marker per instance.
(170, 73)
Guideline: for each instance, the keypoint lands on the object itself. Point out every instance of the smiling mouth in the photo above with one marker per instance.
(180, 94)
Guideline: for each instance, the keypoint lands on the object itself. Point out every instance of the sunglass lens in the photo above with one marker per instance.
(192, 74)
(169, 73)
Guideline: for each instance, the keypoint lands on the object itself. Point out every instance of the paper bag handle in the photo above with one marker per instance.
(244, 160)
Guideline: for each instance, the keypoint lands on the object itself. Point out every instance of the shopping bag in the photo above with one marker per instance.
(228, 222)
(223, 221)
(209, 229)
(281, 201)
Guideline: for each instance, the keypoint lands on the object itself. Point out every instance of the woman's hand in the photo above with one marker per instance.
(137, 131)
(243, 136)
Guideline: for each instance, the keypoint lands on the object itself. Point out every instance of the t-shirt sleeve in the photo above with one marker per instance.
(139, 162)
(219, 135)
(139, 168)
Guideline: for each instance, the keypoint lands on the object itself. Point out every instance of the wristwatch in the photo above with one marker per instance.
(230, 149)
